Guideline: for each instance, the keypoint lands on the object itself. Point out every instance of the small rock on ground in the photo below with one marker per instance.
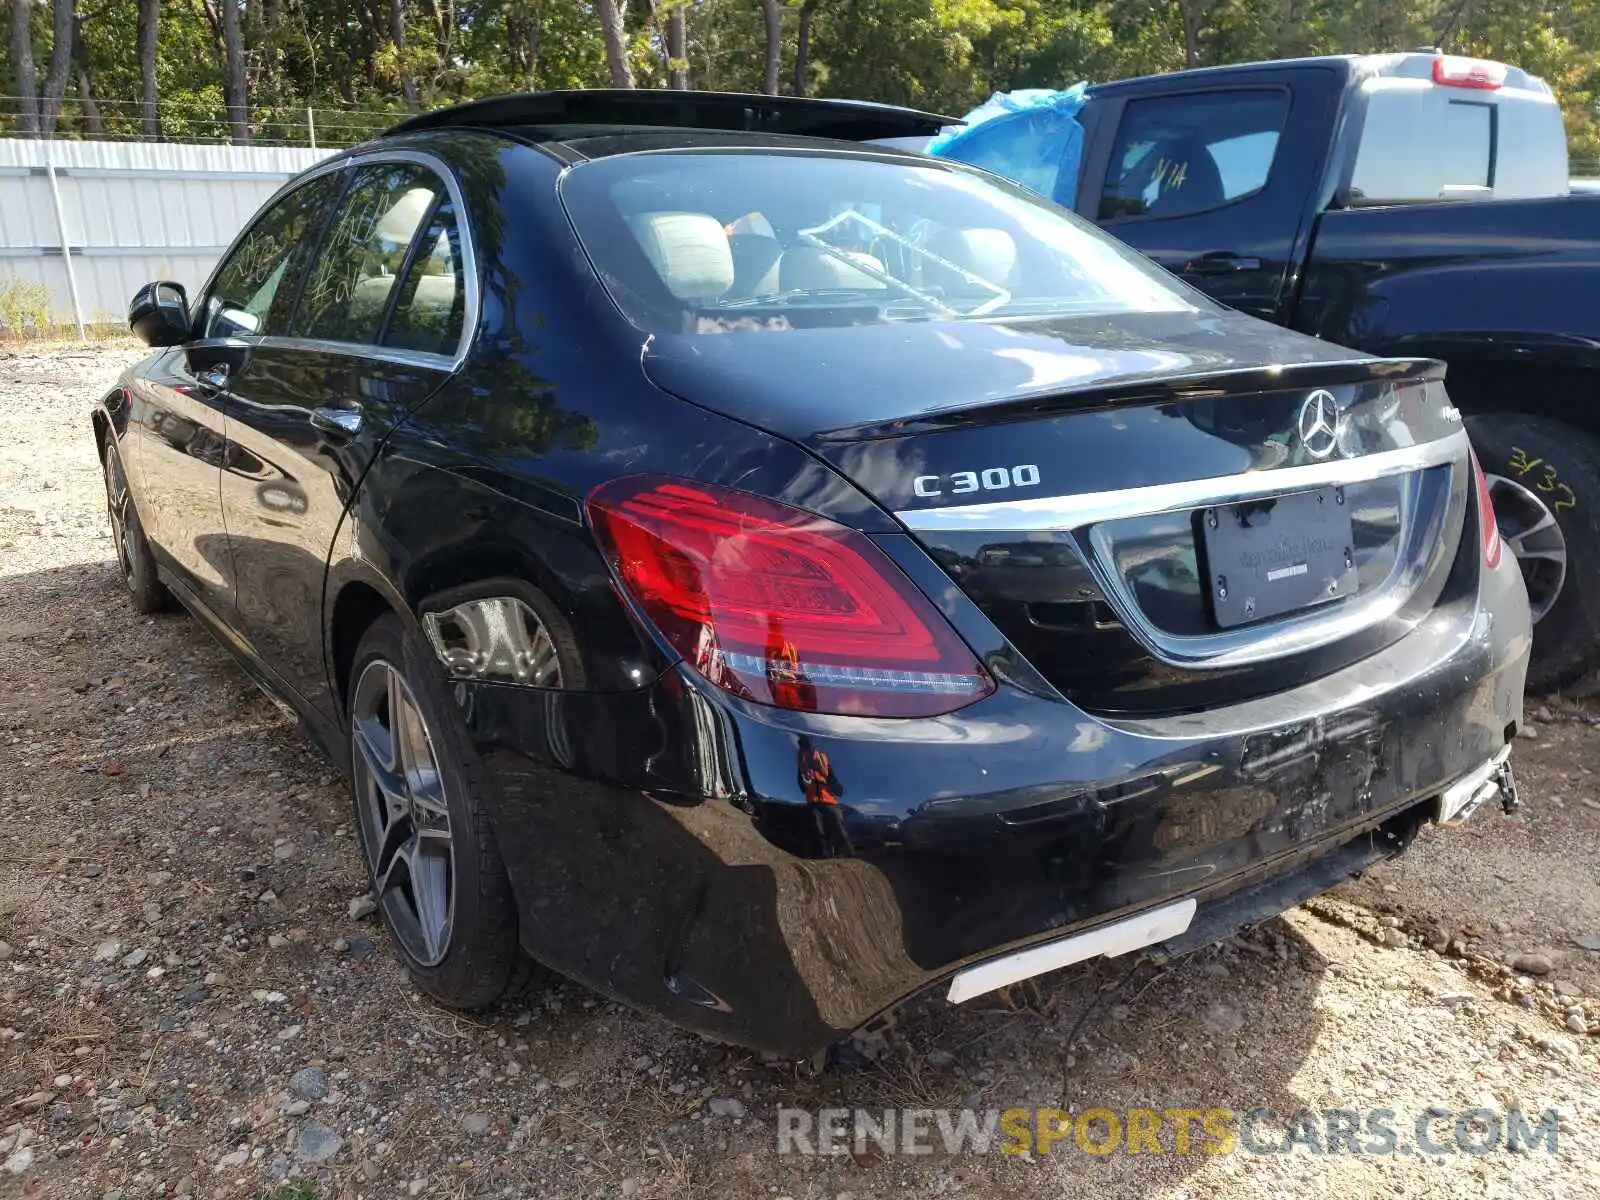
(317, 1143)
(362, 906)
(309, 1083)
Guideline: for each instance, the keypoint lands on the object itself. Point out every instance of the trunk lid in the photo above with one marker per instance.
(1162, 512)
(847, 383)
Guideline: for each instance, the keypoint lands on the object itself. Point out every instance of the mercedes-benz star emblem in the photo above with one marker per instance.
(1319, 423)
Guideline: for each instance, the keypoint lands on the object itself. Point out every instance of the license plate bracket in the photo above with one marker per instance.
(1277, 554)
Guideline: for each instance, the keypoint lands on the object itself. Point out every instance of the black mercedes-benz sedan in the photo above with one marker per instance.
(762, 574)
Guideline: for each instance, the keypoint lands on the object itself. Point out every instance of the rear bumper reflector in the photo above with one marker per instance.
(1109, 941)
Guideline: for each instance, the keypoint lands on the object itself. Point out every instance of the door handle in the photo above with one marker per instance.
(1220, 264)
(215, 376)
(344, 422)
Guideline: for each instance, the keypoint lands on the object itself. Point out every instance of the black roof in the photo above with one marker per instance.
(1345, 64)
(575, 144)
(848, 120)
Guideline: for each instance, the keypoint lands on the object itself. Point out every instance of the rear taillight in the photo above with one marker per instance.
(1486, 522)
(1452, 70)
(781, 606)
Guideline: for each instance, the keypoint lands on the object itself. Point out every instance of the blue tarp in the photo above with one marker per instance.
(1031, 136)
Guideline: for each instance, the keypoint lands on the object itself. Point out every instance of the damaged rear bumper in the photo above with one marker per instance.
(662, 849)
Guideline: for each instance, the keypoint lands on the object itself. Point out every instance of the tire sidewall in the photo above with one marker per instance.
(483, 938)
(139, 575)
(1566, 641)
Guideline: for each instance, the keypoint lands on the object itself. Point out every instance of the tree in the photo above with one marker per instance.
(149, 33)
(397, 32)
(802, 48)
(63, 18)
(612, 13)
(773, 16)
(250, 68)
(27, 77)
(93, 123)
(237, 88)
(677, 47)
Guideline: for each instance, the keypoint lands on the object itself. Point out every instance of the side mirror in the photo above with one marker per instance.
(159, 314)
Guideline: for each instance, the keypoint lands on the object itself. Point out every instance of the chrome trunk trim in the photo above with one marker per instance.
(1065, 513)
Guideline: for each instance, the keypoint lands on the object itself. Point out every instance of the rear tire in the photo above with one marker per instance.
(425, 829)
(1544, 479)
(135, 562)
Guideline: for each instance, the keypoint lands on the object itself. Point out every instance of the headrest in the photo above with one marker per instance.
(810, 269)
(401, 221)
(688, 250)
(755, 263)
(990, 254)
(1192, 182)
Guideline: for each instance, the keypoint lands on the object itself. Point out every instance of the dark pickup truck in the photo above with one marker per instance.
(1404, 204)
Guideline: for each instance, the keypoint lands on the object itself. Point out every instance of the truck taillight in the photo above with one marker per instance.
(781, 606)
(1487, 526)
(1452, 70)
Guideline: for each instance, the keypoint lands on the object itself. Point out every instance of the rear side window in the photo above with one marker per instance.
(1182, 154)
(255, 286)
(348, 295)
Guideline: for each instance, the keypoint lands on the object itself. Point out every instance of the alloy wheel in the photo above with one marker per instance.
(1531, 532)
(405, 814)
(117, 503)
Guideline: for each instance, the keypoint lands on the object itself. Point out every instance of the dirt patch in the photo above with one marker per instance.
(188, 1008)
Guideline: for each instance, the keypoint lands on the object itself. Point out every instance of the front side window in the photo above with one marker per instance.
(1182, 154)
(730, 241)
(349, 293)
(254, 288)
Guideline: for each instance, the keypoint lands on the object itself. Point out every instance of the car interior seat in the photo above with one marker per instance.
(990, 254)
(1191, 182)
(689, 251)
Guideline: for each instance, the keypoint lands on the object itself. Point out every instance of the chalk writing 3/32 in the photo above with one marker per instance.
(1547, 479)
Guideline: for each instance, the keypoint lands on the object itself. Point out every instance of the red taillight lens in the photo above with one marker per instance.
(781, 606)
(1452, 70)
(1486, 522)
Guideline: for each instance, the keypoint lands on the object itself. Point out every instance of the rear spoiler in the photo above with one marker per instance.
(1150, 389)
(846, 120)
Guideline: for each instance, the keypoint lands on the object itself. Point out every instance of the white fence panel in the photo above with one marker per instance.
(133, 212)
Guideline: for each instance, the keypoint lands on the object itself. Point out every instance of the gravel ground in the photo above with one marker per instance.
(188, 1005)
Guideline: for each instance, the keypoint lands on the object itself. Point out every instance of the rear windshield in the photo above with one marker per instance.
(720, 242)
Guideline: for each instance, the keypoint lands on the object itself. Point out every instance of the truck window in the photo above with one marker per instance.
(1181, 154)
(1469, 132)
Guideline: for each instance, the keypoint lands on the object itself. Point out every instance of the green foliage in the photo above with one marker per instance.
(341, 60)
(24, 308)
